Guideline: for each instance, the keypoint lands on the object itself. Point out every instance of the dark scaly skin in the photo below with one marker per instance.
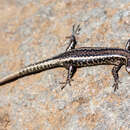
(80, 57)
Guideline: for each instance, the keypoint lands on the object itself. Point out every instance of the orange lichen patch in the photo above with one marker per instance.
(9, 13)
(96, 102)
(123, 128)
(46, 2)
(6, 13)
(93, 89)
(57, 120)
(93, 86)
(81, 100)
(124, 20)
(104, 28)
(83, 38)
(28, 11)
(30, 126)
(15, 64)
(60, 118)
(42, 29)
(31, 79)
(60, 5)
(127, 6)
(37, 120)
(110, 12)
(99, 33)
(63, 8)
(91, 120)
(4, 118)
(93, 4)
(113, 98)
(60, 29)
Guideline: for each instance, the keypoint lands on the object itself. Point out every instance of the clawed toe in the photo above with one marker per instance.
(76, 29)
(65, 83)
(115, 85)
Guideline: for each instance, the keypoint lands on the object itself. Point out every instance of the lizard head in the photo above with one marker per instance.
(128, 61)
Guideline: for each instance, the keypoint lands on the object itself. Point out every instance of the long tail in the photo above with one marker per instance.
(31, 69)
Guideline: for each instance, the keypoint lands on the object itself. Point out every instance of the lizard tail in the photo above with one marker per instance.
(31, 69)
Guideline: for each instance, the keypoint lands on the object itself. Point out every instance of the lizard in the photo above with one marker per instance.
(74, 58)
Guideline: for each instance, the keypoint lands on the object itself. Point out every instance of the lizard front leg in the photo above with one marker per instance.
(72, 38)
(72, 44)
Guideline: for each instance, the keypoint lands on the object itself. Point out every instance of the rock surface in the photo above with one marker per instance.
(33, 30)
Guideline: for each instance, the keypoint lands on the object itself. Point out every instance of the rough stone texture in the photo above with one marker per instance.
(33, 30)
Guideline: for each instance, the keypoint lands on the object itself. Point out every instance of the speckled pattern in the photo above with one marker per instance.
(33, 30)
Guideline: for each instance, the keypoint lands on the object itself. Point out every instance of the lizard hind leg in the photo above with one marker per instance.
(115, 71)
(71, 72)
